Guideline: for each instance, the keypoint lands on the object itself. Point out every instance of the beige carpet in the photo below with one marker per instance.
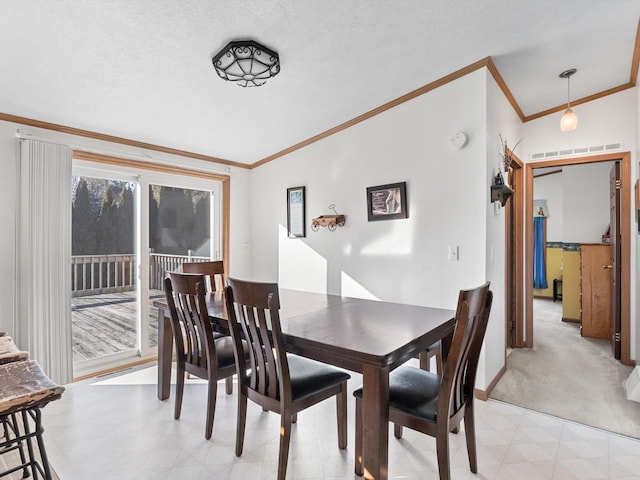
(569, 376)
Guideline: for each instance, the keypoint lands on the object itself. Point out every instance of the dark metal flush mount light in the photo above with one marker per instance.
(247, 63)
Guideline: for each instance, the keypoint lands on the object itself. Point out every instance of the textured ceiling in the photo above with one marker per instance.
(142, 69)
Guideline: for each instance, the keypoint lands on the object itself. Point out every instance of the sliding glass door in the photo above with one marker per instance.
(104, 305)
(129, 229)
(180, 222)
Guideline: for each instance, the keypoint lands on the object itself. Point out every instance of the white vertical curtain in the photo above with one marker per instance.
(43, 320)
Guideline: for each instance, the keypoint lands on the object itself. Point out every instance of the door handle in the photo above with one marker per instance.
(607, 266)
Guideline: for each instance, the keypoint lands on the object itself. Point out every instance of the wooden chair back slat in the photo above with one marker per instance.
(192, 329)
(269, 378)
(472, 315)
(213, 272)
(476, 346)
(256, 310)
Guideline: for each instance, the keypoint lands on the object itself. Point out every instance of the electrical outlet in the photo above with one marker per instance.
(453, 253)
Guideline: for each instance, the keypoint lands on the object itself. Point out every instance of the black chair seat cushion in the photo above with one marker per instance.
(413, 391)
(309, 376)
(224, 351)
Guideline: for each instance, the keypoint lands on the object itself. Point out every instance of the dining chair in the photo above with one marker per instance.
(434, 404)
(198, 352)
(213, 271)
(433, 351)
(215, 281)
(272, 378)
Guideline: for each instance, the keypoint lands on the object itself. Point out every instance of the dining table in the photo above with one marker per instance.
(365, 336)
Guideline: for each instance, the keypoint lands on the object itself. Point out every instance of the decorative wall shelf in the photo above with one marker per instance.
(500, 193)
(329, 221)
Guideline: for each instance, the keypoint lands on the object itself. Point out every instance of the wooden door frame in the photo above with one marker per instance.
(625, 243)
(514, 259)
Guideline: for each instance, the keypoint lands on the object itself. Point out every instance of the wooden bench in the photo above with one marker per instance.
(24, 391)
(9, 352)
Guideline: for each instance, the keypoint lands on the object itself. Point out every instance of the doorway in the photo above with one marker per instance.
(546, 378)
(153, 218)
(624, 236)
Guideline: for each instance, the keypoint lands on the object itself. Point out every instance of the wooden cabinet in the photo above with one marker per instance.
(595, 285)
(571, 284)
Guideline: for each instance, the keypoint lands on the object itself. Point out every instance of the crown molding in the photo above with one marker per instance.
(113, 139)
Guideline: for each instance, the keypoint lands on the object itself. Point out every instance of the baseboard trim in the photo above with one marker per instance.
(116, 368)
(484, 394)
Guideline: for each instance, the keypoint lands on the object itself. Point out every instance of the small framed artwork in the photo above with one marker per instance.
(387, 202)
(296, 212)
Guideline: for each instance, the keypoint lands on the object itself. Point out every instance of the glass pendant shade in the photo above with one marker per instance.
(569, 121)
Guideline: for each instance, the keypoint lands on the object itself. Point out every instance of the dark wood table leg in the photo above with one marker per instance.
(165, 352)
(375, 409)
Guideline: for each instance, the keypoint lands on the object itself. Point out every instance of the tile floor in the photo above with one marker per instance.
(115, 428)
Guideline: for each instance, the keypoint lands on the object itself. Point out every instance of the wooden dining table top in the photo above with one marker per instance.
(349, 331)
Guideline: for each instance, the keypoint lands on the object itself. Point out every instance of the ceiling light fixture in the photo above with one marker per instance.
(569, 121)
(247, 63)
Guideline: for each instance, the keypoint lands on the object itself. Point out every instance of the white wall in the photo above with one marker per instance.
(398, 260)
(549, 188)
(586, 202)
(578, 202)
(448, 195)
(608, 120)
(503, 122)
(240, 224)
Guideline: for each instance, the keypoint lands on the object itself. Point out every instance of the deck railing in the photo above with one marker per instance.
(97, 274)
(160, 263)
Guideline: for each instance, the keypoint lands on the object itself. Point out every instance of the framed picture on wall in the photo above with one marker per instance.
(387, 202)
(295, 212)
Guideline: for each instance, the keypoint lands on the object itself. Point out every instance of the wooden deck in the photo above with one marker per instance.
(106, 324)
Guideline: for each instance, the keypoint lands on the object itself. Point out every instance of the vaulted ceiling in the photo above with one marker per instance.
(142, 70)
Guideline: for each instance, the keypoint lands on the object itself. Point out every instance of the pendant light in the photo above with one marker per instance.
(569, 121)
